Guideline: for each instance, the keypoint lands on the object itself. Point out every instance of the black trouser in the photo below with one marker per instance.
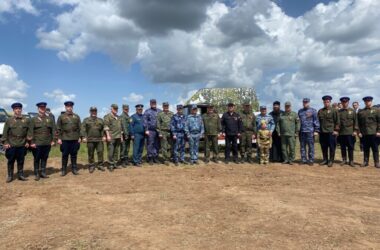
(328, 145)
(231, 143)
(70, 148)
(41, 154)
(14, 154)
(371, 142)
(276, 150)
(347, 142)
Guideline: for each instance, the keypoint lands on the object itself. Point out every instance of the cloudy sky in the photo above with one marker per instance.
(98, 52)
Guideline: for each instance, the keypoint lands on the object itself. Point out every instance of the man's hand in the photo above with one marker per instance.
(316, 134)
(147, 133)
(132, 137)
(59, 141)
(109, 138)
(354, 134)
(174, 137)
(160, 135)
(33, 145)
(360, 135)
(84, 140)
(253, 136)
(104, 138)
(378, 134)
(27, 145)
(79, 140)
(6, 146)
(52, 143)
(122, 139)
(238, 134)
(335, 133)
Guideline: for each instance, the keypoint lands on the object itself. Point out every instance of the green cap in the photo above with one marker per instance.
(288, 104)
(125, 106)
(114, 106)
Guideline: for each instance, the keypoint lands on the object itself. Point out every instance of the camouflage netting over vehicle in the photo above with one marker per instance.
(220, 97)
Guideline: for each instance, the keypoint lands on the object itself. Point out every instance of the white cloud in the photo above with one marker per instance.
(12, 6)
(133, 97)
(12, 89)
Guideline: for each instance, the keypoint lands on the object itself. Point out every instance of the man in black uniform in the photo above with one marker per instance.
(232, 127)
(275, 151)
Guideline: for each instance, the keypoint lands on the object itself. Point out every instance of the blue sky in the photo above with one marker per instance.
(61, 53)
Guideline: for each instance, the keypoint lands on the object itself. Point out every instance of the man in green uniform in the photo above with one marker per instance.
(329, 122)
(248, 132)
(114, 136)
(41, 136)
(369, 126)
(348, 131)
(288, 128)
(92, 132)
(213, 128)
(126, 144)
(68, 130)
(15, 143)
(163, 130)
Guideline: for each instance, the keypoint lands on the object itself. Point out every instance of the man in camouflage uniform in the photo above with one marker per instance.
(15, 142)
(177, 127)
(68, 130)
(137, 131)
(288, 129)
(41, 134)
(348, 131)
(212, 127)
(93, 134)
(114, 136)
(163, 130)
(125, 145)
(150, 124)
(194, 130)
(329, 122)
(264, 142)
(369, 126)
(248, 132)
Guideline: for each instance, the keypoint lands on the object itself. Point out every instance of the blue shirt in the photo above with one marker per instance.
(136, 126)
(194, 125)
(178, 124)
(150, 118)
(308, 120)
(269, 121)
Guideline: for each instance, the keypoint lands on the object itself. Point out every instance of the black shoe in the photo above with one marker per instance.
(111, 167)
(37, 177)
(303, 163)
(226, 162)
(9, 179)
(184, 163)
(311, 164)
(352, 164)
(285, 162)
(365, 164)
(118, 167)
(63, 172)
(191, 162)
(101, 168)
(344, 162)
(91, 169)
(215, 160)
(249, 160)
(290, 163)
(21, 178)
(330, 164)
(74, 171)
(236, 162)
(43, 175)
(207, 161)
(155, 160)
(324, 162)
(176, 163)
(377, 165)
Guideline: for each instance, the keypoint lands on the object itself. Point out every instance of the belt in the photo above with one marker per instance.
(18, 136)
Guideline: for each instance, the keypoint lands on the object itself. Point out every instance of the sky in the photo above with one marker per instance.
(99, 52)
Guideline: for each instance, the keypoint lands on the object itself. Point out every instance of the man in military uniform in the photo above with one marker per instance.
(212, 127)
(68, 130)
(348, 131)
(177, 127)
(163, 130)
(125, 145)
(329, 122)
(137, 131)
(15, 142)
(41, 134)
(114, 136)
(248, 132)
(309, 128)
(150, 124)
(92, 132)
(288, 129)
(194, 130)
(276, 149)
(232, 128)
(369, 126)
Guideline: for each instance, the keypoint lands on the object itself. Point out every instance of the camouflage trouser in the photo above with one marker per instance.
(211, 144)
(246, 144)
(113, 150)
(288, 148)
(91, 147)
(194, 146)
(124, 150)
(166, 145)
(307, 139)
(264, 153)
(179, 148)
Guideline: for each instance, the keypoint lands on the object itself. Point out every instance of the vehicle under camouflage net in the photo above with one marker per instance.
(220, 97)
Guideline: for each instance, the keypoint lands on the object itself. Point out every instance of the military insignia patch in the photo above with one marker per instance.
(349, 112)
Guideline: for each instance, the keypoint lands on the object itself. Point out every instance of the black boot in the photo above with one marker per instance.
(366, 159)
(43, 169)
(91, 168)
(101, 166)
(20, 172)
(74, 167)
(376, 159)
(325, 158)
(64, 166)
(344, 158)
(10, 173)
(351, 158)
(332, 158)
(150, 161)
(36, 169)
(155, 160)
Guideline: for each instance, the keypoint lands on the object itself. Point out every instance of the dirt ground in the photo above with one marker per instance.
(205, 207)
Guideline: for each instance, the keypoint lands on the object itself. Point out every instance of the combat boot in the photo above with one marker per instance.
(207, 161)
(36, 169)
(150, 161)
(10, 173)
(91, 168)
(344, 162)
(43, 169)
(20, 172)
(155, 160)
(111, 167)
(64, 166)
(101, 167)
(376, 159)
(249, 160)
(74, 167)
(365, 160)
(351, 158)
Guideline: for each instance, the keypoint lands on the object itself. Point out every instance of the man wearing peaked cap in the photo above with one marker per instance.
(163, 130)
(137, 131)
(41, 134)
(369, 126)
(275, 151)
(232, 128)
(211, 122)
(150, 124)
(330, 124)
(15, 142)
(248, 119)
(177, 127)
(68, 131)
(92, 132)
(126, 143)
(194, 130)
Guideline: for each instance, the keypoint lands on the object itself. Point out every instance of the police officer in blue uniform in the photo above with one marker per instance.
(150, 124)
(194, 131)
(309, 128)
(137, 131)
(177, 127)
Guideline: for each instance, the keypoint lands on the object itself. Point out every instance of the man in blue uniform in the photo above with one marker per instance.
(194, 131)
(177, 127)
(150, 124)
(137, 130)
(309, 127)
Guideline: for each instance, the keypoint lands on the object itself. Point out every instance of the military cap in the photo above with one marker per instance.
(139, 106)
(48, 109)
(114, 106)
(230, 104)
(288, 104)
(263, 107)
(210, 105)
(179, 106)
(16, 105)
(344, 99)
(93, 109)
(153, 101)
(41, 104)
(125, 106)
(326, 97)
(276, 103)
(194, 106)
(368, 98)
(306, 100)
(246, 103)
(165, 104)
(69, 103)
